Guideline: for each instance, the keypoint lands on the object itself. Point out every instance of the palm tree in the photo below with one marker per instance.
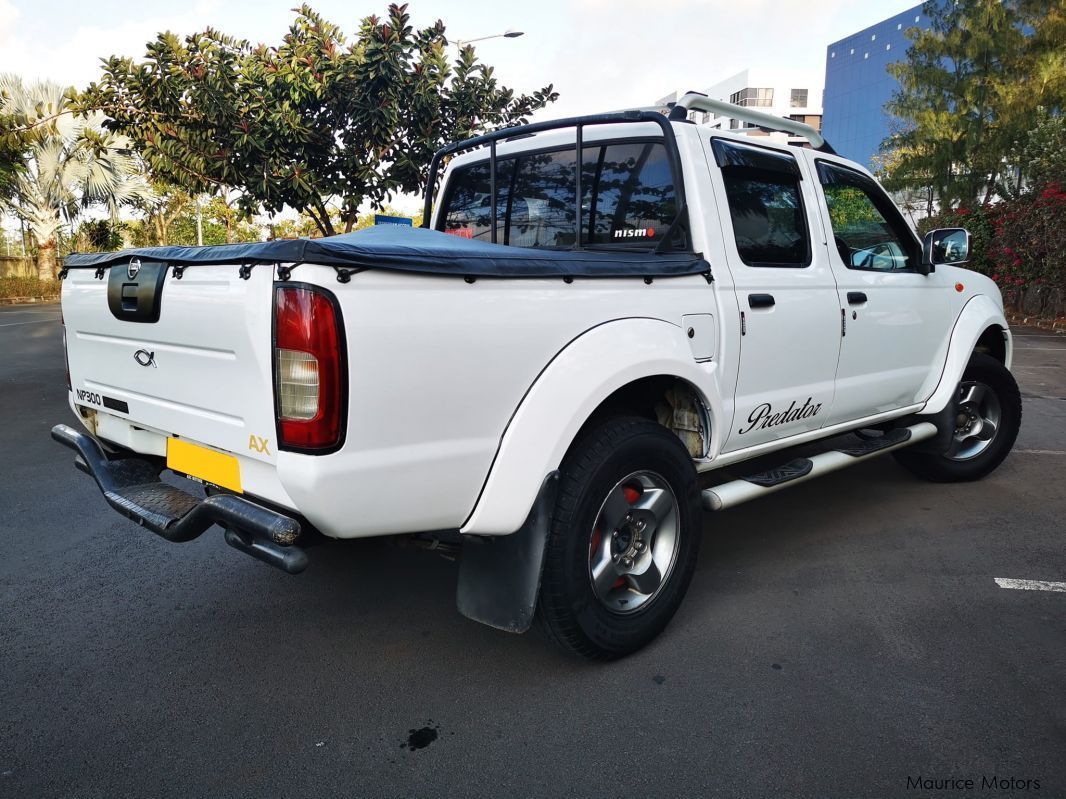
(71, 162)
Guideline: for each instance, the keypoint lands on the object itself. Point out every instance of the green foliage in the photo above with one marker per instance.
(11, 160)
(980, 222)
(1019, 242)
(1041, 154)
(849, 207)
(99, 235)
(304, 227)
(1030, 239)
(29, 287)
(70, 162)
(970, 87)
(222, 224)
(312, 120)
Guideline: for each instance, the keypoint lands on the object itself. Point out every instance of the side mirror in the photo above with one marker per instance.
(949, 246)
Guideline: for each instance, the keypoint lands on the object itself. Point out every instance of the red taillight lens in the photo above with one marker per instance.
(309, 373)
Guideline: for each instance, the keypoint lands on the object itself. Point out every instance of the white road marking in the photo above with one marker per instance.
(1042, 349)
(1039, 451)
(35, 322)
(1030, 585)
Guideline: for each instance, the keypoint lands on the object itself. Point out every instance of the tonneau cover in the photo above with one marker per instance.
(407, 249)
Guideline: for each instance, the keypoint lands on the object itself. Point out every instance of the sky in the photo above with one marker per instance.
(600, 54)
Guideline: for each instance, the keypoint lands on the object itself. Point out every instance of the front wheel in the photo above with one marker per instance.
(624, 539)
(987, 419)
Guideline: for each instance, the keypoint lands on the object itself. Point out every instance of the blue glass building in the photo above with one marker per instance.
(858, 84)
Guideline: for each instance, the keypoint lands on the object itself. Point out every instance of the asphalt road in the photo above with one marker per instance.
(838, 639)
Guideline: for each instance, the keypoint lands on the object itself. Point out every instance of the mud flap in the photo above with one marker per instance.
(945, 426)
(499, 576)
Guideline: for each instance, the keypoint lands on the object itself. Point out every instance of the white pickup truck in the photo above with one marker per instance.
(609, 323)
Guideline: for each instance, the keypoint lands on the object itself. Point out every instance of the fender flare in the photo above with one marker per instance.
(563, 397)
(979, 314)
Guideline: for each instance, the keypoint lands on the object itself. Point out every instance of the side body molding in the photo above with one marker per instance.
(580, 377)
(979, 313)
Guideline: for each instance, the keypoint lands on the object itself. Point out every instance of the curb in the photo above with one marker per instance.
(1054, 325)
(29, 300)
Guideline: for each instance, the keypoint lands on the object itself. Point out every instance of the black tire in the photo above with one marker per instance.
(956, 466)
(569, 609)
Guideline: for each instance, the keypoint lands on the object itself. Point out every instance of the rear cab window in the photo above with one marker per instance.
(628, 198)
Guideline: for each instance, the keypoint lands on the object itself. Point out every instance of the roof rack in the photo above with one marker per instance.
(697, 101)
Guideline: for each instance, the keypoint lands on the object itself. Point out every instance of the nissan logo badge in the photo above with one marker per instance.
(145, 358)
(133, 268)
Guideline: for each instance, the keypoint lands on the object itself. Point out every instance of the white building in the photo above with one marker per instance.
(788, 94)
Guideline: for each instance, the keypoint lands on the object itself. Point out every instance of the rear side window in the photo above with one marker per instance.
(765, 205)
(628, 198)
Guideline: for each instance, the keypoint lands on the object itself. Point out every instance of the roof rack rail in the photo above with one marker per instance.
(697, 101)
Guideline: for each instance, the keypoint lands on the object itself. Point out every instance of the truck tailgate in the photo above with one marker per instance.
(202, 371)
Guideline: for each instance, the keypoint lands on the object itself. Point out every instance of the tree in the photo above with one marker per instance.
(313, 120)
(11, 150)
(1040, 156)
(165, 204)
(71, 162)
(220, 221)
(970, 86)
(97, 235)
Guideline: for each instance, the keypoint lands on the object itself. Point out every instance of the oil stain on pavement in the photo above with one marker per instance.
(421, 738)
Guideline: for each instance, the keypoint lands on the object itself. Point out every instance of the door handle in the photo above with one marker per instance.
(856, 297)
(761, 301)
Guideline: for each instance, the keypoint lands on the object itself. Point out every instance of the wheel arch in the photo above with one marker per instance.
(981, 327)
(616, 367)
(993, 342)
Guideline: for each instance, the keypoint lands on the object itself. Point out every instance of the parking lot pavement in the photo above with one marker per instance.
(838, 639)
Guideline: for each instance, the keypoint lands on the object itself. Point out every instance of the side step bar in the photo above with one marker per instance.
(801, 470)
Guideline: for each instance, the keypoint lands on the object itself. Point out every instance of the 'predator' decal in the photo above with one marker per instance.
(763, 416)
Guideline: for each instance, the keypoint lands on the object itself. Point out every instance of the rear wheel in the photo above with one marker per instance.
(987, 419)
(624, 539)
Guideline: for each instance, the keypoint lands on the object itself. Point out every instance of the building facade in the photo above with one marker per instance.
(858, 84)
(785, 94)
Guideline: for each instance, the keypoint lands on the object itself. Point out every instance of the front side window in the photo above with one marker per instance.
(765, 205)
(868, 230)
(628, 198)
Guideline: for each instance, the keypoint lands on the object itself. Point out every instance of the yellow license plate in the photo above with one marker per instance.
(203, 463)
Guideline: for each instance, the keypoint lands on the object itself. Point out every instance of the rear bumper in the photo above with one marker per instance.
(132, 487)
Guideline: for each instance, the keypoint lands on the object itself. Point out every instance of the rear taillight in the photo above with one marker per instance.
(309, 369)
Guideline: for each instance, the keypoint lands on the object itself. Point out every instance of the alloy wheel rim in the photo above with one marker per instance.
(977, 420)
(633, 543)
